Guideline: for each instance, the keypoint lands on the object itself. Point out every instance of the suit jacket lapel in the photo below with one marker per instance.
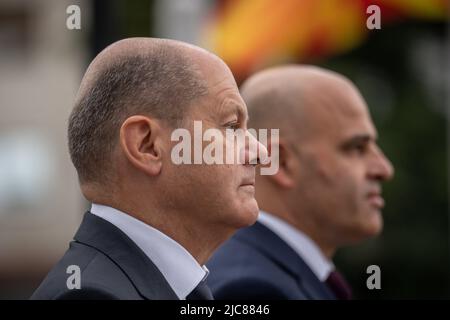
(281, 253)
(107, 238)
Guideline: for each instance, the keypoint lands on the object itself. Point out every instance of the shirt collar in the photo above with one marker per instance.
(178, 266)
(300, 243)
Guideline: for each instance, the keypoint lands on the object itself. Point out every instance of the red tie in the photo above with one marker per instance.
(339, 286)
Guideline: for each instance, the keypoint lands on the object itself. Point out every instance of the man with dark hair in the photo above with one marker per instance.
(325, 195)
(153, 224)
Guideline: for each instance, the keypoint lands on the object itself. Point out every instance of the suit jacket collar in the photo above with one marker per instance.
(273, 247)
(107, 238)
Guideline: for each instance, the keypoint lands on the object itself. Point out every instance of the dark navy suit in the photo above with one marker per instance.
(112, 267)
(256, 264)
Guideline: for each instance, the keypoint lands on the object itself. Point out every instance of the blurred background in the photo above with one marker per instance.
(402, 69)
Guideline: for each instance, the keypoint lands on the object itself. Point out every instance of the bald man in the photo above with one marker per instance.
(154, 222)
(325, 195)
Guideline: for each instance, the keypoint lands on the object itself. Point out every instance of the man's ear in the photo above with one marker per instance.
(139, 141)
(284, 177)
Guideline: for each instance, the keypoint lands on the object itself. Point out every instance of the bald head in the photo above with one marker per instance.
(155, 77)
(294, 97)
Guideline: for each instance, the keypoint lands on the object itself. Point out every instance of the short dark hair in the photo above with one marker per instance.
(161, 83)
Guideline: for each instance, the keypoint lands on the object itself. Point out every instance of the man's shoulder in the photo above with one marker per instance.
(241, 270)
(86, 273)
(247, 245)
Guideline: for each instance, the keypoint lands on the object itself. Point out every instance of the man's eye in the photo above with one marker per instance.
(360, 148)
(232, 125)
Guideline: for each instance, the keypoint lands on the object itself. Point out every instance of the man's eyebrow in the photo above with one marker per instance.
(235, 109)
(356, 140)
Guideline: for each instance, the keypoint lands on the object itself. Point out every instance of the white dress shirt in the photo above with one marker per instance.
(320, 265)
(178, 266)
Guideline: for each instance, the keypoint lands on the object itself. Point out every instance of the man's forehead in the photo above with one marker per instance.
(224, 92)
(227, 110)
(220, 107)
(337, 101)
(232, 105)
(338, 120)
(363, 129)
(354, 129)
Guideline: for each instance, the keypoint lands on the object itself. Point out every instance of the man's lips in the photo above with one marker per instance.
(375, 199)
(248, 184)
(248, 179)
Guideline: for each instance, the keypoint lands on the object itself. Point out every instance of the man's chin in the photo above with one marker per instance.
(248, 213)
(370, 227)
(374, 225)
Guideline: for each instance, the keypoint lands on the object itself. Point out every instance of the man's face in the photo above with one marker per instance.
(216, 194)
(341, 169)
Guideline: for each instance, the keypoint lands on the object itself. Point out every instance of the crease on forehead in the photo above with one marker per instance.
(221, 110)
(223, 91)
(231, 105)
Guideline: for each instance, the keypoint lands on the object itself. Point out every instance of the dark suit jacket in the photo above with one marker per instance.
(112, 267)
(256, 264)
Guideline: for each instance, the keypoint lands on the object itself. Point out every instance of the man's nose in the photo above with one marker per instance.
(381, 168)
(254, 150)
